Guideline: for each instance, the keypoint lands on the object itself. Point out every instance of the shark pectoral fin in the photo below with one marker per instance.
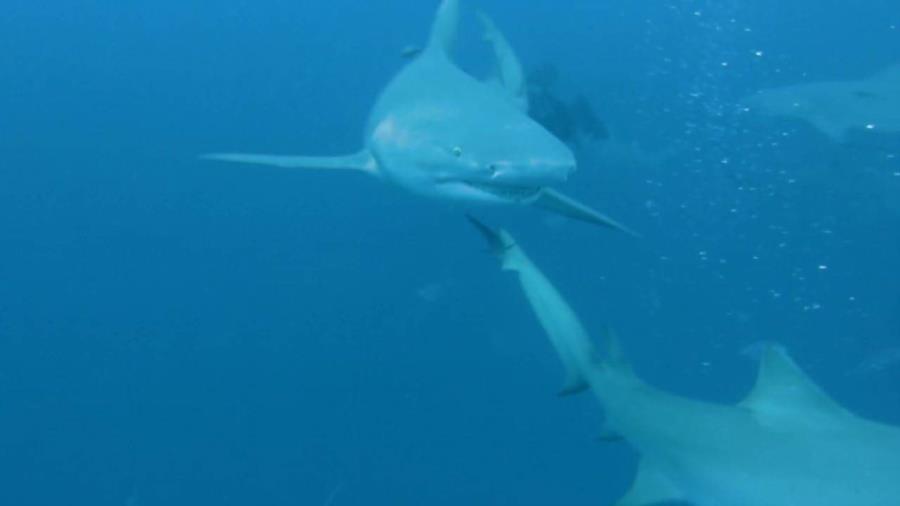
(509, 74)
(361, 161)
(556, 202)
(650, 487)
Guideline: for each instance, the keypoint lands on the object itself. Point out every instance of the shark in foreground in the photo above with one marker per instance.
(437, 131)
(786, 444)
(836, 108)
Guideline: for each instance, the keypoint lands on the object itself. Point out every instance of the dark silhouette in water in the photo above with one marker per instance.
(571, 122)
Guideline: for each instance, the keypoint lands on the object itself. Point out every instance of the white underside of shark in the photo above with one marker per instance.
(837, 108)
(437, 131)
(786, 444)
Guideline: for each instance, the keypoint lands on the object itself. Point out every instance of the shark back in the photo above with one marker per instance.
(786, 444)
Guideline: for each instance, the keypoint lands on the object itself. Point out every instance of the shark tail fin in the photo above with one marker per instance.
(443, 30)
(502, 245)
(361, 161)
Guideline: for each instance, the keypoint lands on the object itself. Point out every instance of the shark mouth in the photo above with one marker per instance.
(507, 192)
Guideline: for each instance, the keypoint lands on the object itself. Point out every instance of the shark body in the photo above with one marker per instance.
(837, 108)
(437, 131)
(786, 444)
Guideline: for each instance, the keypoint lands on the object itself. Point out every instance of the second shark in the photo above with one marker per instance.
(786, 444)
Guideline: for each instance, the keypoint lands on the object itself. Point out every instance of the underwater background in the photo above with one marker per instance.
(179, 332)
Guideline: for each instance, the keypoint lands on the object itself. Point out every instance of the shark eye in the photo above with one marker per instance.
(457, 151)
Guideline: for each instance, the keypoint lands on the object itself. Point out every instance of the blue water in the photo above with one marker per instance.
(175, 332)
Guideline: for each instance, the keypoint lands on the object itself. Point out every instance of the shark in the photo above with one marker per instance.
(837, 108)
(787, 443)
(437, 131)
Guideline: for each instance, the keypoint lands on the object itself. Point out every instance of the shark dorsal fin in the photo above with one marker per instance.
(443, 30)
(615, 353)
(782, 389)
(651, 486)
(509, 75)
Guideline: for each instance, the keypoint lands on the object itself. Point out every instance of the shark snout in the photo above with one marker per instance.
(561, 169)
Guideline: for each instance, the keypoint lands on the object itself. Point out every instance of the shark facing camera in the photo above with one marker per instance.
(437, 131)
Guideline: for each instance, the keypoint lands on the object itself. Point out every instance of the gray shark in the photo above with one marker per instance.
(836, 108)
(437, 131)
(786, 444)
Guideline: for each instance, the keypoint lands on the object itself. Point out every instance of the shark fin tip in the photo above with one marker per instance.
(556, 202)
(443, 31)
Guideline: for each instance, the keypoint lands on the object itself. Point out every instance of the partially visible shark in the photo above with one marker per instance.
(437, 131)
(836, 108)
(786, 444)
